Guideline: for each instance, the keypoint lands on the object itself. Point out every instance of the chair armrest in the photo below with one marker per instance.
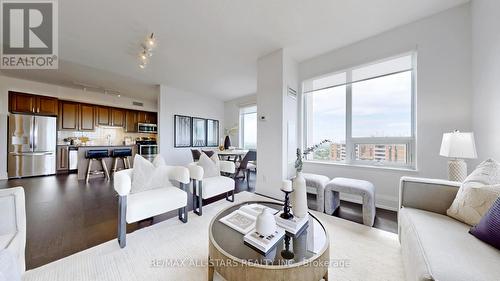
(123, 182)
(195, 171)
(14, 221)
(227, 167)
(178, 173)
(432, 195)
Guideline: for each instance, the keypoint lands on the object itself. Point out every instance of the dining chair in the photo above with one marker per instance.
(246, 165)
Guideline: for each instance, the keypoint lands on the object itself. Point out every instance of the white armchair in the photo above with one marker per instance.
(13, 227)
(204, 188)
(133, 207)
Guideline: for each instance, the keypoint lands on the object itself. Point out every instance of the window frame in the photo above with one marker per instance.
(242, 124)
(350, 141)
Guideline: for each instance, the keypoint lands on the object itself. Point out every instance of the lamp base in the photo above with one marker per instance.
(457, 170)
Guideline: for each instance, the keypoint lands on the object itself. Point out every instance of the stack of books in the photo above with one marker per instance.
(261, 243)
(294, 225)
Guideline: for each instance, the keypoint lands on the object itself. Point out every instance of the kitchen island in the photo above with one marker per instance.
(84, 162)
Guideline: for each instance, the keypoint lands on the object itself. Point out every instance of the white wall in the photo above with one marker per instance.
(14, 84)
(444, 90)
(176, 101)
(232, 114)
(486, 74)
(274, 72)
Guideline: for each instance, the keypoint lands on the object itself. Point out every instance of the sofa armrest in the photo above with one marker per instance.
(195, 171)
(432, 195)
(123, 182)
(227, 167)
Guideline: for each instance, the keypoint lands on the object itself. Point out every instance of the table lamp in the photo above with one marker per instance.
(458, 145)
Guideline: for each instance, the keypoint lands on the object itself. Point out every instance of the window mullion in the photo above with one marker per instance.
(348, 126)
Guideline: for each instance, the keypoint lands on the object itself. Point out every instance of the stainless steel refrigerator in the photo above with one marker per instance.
(32, 145)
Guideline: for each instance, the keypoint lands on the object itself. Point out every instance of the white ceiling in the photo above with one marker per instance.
(211, 47)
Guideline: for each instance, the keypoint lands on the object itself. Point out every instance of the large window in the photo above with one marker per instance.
(248, 127)
(368, 112)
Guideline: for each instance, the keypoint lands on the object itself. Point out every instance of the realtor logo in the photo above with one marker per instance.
(29, 34)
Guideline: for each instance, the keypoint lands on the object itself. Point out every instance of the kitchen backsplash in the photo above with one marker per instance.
(100, 136)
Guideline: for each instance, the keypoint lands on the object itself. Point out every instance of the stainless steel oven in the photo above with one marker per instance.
(147, 148)
(147, 128)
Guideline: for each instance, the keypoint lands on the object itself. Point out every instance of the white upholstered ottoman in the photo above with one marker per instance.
(363, 188)
(315, 184)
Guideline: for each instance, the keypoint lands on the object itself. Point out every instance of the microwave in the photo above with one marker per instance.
(147, 128)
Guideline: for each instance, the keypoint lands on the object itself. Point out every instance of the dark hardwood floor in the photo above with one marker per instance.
(65, 216)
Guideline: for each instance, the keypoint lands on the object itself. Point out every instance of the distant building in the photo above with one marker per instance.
(371, 152)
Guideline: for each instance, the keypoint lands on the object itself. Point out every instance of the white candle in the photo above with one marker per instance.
(287, 186)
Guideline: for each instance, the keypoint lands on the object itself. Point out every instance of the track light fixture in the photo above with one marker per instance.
(147, 50)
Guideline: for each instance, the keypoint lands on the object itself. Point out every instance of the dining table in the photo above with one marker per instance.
(238, 154)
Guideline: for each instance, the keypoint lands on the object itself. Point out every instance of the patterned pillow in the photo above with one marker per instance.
(488, 229)
(477, 193)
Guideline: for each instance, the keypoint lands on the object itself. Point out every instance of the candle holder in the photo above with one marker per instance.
(286, 207)
(286, 253)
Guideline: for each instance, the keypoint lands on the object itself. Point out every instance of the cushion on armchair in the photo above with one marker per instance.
(211, 166)
(147, 175)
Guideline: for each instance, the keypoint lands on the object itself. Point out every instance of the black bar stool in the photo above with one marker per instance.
(123, 154)
(97, 155)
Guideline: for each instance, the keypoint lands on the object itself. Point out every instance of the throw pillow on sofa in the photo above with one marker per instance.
(488, 229)
(477, 193)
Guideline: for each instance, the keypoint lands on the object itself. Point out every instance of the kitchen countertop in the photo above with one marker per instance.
(83, 146)
(84, 162)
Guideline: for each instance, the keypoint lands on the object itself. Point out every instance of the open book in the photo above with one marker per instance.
(243, 220)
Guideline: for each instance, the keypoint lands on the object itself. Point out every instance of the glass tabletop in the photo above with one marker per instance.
(291, 249)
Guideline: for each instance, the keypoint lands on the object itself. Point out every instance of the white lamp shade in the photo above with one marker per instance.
(458, 145)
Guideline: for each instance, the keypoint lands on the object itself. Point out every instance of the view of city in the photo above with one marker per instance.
(378, 109)
(383, 153)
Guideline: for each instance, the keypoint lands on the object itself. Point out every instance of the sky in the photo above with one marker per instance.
(381, 108)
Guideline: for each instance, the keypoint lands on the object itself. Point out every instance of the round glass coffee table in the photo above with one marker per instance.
(302, 257)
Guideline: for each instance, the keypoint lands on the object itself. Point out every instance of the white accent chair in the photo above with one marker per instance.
(133, 207)
(13, 227)
(204, 188)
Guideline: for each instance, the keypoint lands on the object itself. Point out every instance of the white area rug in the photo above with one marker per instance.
(370, 254)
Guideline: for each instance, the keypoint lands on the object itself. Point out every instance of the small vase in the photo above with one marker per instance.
(227, 142)
(299, 199)
(266, 224)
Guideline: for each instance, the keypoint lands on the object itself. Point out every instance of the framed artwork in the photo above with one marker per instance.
(199, 132)
(182, 131)
(212, 133)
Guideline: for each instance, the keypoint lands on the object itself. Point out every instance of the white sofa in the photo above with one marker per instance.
(204, 188)
(435, 246)
(13, 225)
(134, 207)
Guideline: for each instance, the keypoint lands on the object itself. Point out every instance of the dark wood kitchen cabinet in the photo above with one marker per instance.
(68, 116)
(103, 116)
(32, 104)
(46, 106)
(146, 117)
(131, 121)
(87, 115)
(62, 163)
(117, 117)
